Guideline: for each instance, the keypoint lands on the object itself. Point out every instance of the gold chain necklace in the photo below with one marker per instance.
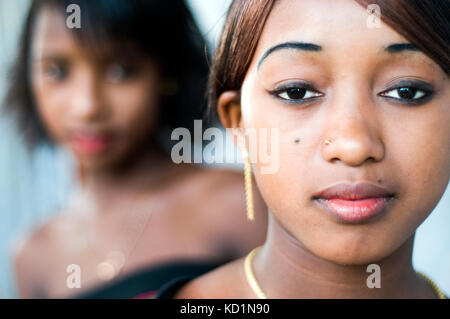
(433, 285)
(251, 279)
(257, 290)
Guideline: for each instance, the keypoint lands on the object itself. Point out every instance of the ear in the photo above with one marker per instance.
(229, 109)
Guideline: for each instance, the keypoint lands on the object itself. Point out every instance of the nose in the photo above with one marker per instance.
(86, 100)
(353, 133)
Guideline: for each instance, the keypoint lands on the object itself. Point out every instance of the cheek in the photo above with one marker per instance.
(50, 104)
(420, 150)
(286, 186)
(135, 107)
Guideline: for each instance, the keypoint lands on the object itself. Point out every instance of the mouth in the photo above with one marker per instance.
(355, 203)
(88, 143)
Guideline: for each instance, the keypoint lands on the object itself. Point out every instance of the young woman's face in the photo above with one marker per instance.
(101, 109)
(383, 107)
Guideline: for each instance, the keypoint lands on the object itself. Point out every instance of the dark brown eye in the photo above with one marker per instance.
(297, 94)
(407, 93)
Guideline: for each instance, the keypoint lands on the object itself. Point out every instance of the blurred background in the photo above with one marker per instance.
(33, 186)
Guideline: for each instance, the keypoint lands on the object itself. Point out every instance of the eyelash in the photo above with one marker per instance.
(417, 86)
(306, 90)
(425, 89)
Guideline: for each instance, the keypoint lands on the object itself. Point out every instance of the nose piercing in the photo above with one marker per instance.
(327, 142)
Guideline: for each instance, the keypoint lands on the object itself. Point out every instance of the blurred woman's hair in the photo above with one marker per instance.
(163, 31)
(425, 23)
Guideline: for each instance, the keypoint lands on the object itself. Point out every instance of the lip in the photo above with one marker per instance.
(355, 203)
(90, 143)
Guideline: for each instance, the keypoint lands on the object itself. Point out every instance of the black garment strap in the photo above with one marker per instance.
(169, 290)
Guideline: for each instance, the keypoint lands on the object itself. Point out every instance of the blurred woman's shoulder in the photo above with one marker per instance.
(43, 235)
(222, 207)
(225, 188)
(33, 256)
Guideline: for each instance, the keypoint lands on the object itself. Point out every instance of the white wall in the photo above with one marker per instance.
(31, 187)
(210, 15)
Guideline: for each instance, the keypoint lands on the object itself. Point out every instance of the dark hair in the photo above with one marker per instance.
(164, 31)
(425, 23)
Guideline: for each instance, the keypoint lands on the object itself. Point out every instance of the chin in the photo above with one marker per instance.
(94, 163)
(351, 252)
(360, 259)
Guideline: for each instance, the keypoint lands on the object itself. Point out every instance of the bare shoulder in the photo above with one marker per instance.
(32, 254)
(226, 188)
(225, 282)
(41, 241)
(221, 175)
(45, 233)
(32, 240)
(210, 176)
(224, 203)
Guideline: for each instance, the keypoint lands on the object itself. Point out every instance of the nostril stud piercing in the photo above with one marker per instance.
(327, 142)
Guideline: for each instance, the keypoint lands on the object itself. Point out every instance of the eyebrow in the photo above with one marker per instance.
(50, 58)
(401, 47)
(393, 48)
(289, 46)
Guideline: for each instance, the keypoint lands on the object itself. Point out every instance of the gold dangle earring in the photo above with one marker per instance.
(248, 186)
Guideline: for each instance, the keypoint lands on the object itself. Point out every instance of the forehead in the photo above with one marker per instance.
(51, 33)
(335, 25)
(52, 38)
(335, 21)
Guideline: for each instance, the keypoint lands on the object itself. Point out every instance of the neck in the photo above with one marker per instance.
(141, 171)
(295, 272)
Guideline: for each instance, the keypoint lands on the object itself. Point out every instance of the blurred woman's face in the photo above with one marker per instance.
(320, 73)
(101, 109)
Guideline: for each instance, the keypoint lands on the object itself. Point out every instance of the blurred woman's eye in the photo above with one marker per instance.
(120, 72)
(409, 92)
(296, 93)
(55, 72)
